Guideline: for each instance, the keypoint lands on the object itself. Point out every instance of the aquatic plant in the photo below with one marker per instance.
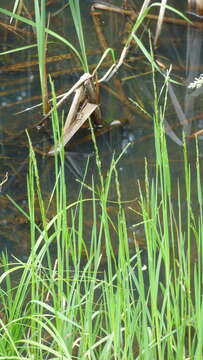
(70, 300)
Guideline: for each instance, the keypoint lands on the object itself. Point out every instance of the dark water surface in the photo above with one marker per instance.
(179, 45)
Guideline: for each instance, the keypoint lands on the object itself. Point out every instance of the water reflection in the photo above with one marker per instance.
(179, 45)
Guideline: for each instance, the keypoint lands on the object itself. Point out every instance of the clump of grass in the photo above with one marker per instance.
(66, 304)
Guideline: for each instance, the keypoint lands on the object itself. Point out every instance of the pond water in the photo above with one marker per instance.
(179, 45)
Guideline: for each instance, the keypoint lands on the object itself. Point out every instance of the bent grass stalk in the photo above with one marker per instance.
(76, 15)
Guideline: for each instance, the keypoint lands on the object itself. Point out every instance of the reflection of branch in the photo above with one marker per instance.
(160, 20)
(195, 7)
(178, 109)
(197, 133)
(193, 61)
(168, 130)
(3, 181)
